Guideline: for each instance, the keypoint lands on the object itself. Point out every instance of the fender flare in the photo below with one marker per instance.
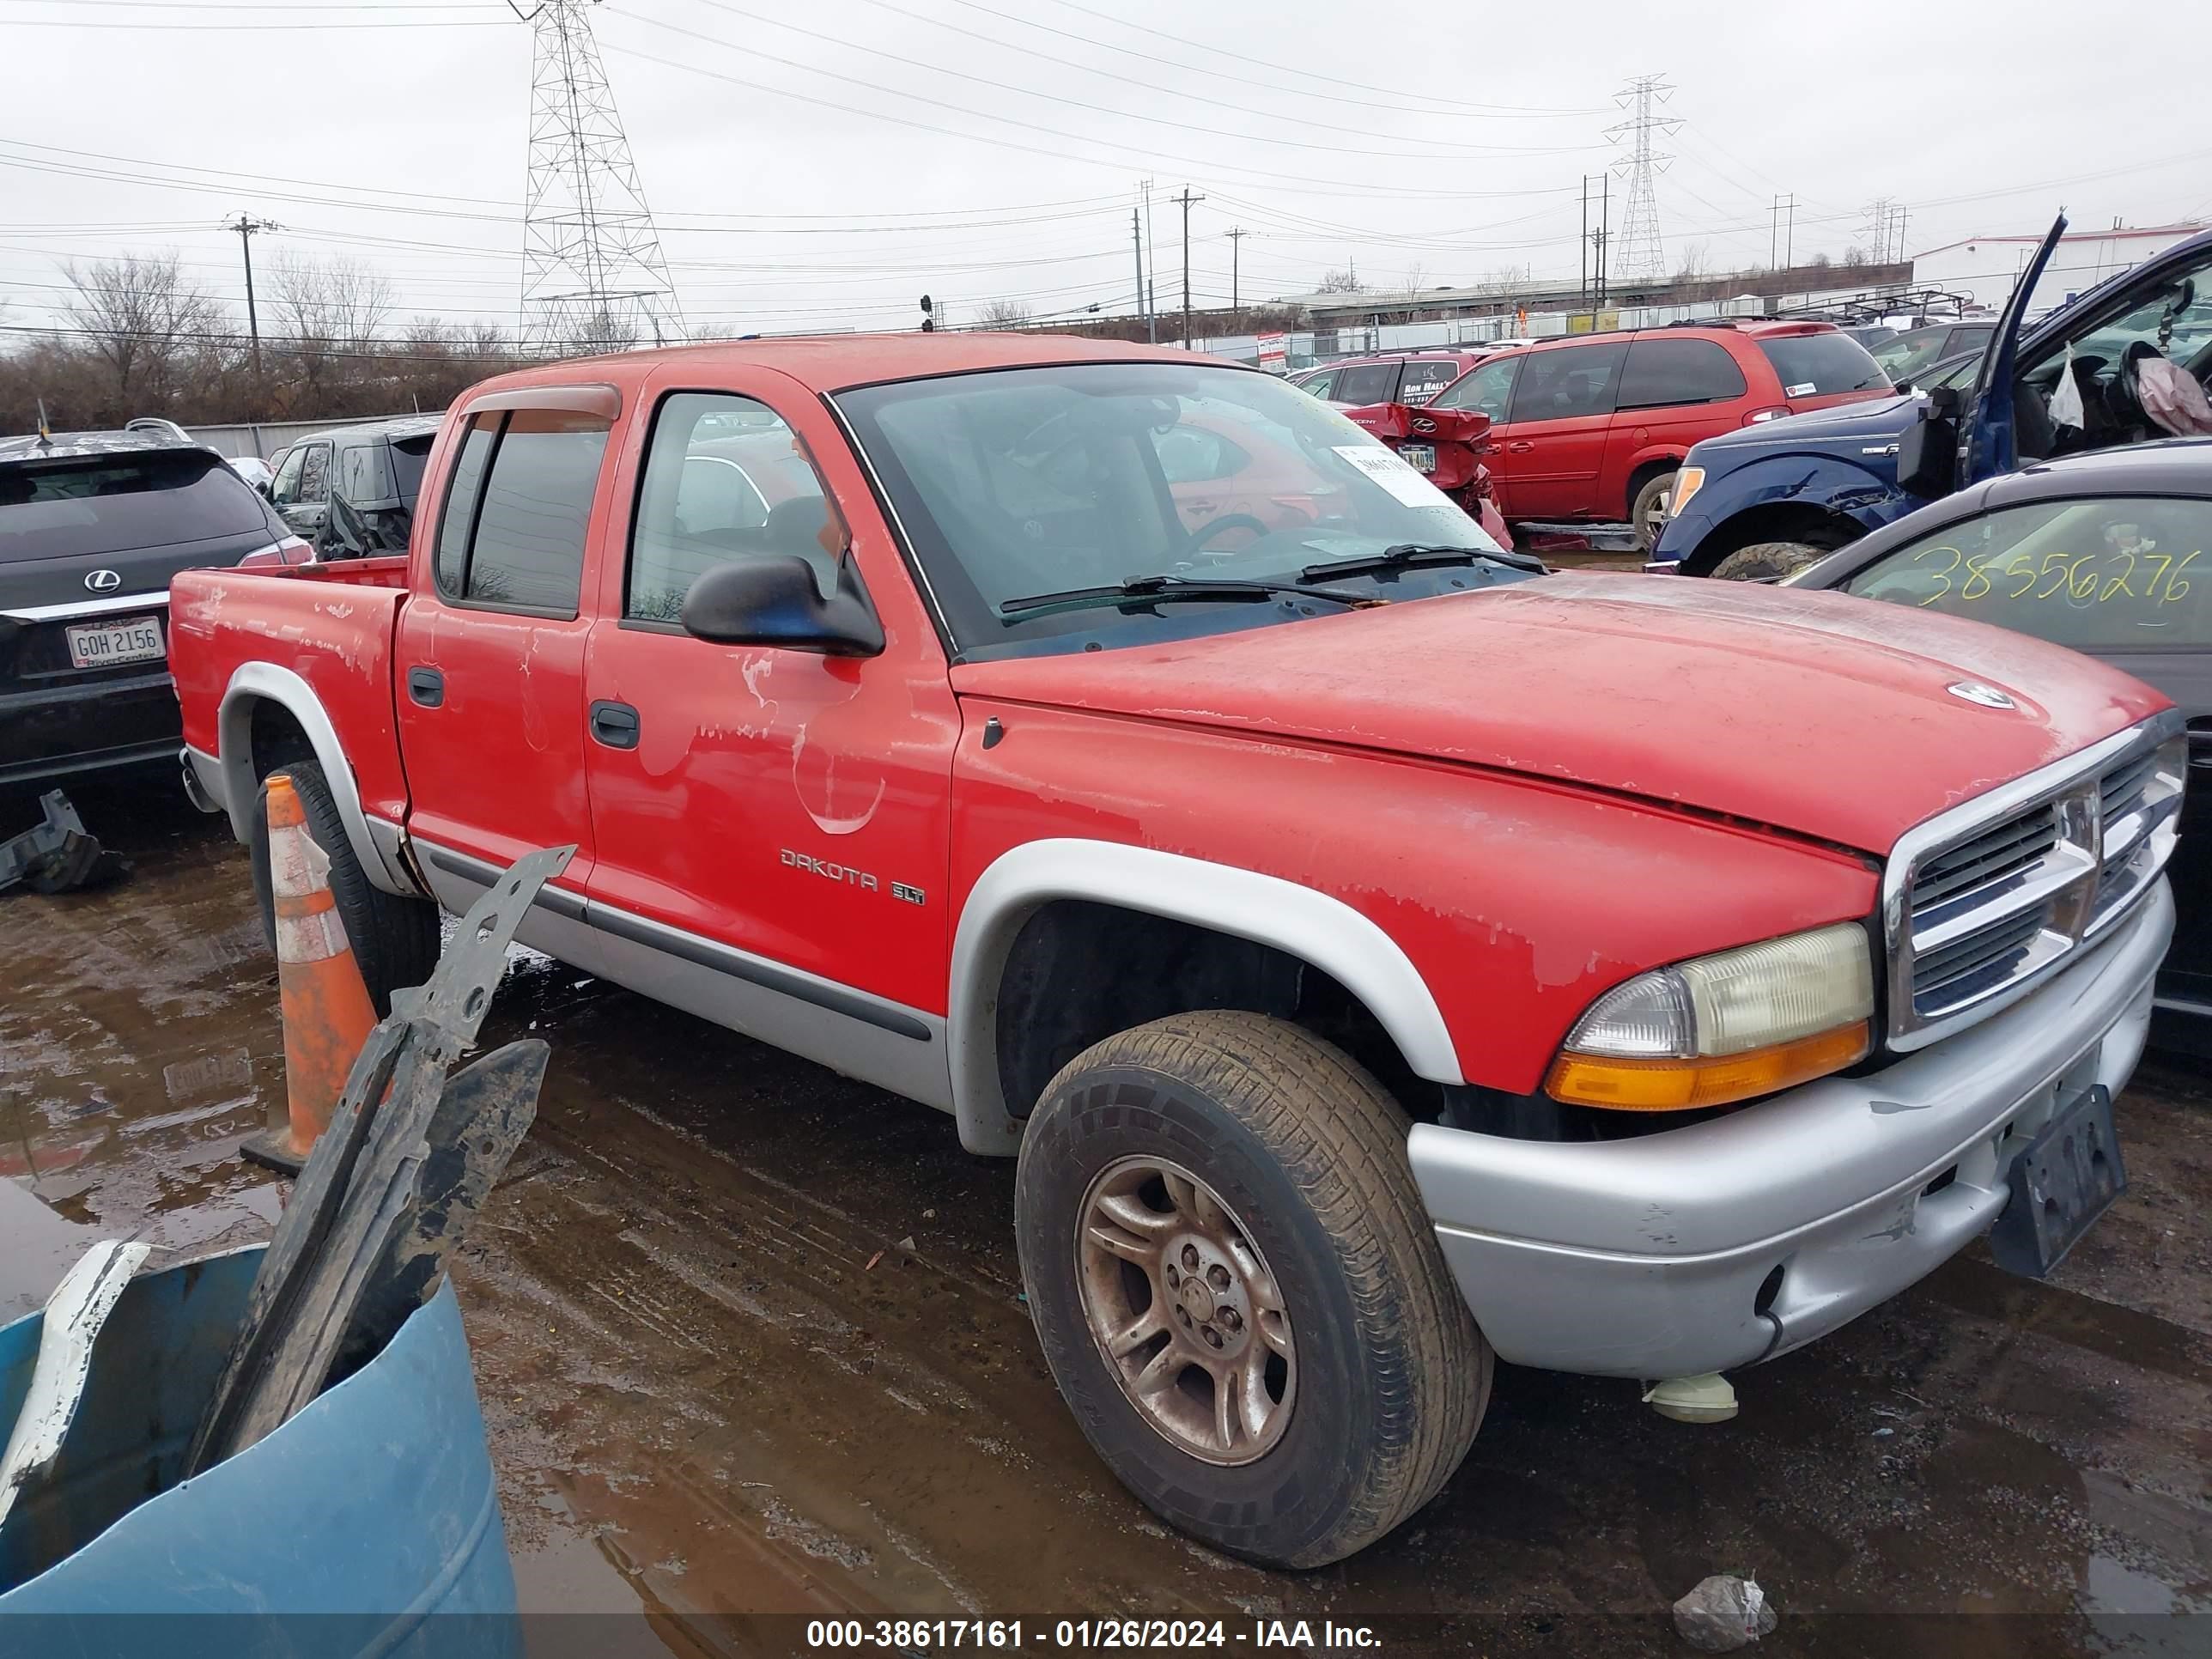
(253, 683)
(1817, 483)
(1300, 921)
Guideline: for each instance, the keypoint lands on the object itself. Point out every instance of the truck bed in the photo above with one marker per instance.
(330, 624)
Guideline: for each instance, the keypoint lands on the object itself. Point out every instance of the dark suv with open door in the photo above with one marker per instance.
(92, 526)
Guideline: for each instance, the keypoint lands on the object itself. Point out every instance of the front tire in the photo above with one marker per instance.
(1238, 1290)
(395, 940)
(1767, 561)
(1647, 512)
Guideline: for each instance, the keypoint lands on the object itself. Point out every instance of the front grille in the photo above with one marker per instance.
(1994, 856)
(2120, 791)
(1991, 895)
(1954, 975)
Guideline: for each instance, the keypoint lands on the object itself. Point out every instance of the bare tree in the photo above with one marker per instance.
(1411, 290)
(1696, 263)
(1003, 313)
(1854, 257)
(143, 315)
(1346, 280)
(331, 311)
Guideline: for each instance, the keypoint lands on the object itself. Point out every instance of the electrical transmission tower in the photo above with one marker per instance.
(593, 275)
(1885, 226)
(1637, 254)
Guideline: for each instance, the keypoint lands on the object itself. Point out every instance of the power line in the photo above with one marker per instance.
(1241, 56)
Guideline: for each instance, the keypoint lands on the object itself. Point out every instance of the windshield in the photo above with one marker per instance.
(1904, 357)
(94, 506)
(1032, 481)
(1822, 365)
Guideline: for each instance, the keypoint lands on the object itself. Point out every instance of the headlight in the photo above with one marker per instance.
(1688, 481)
(1724, 1028)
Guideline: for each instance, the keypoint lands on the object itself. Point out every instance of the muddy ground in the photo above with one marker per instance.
(716, 1385)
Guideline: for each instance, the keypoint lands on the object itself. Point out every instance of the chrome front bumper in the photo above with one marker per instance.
(1733, 1240)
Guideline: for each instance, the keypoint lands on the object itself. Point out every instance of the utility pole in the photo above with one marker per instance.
(1136, 240)
(1236, 236)
(1582, 251)
(245, 227)
(1187, 199)
(1148, 289)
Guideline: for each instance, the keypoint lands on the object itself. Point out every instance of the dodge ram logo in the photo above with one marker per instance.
(1973, 691)
(103, 581)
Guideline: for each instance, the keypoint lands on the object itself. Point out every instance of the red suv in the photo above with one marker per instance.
(1591, 428)
(1398, 377)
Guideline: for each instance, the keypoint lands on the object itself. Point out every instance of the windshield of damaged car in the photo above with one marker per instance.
(1036, 481)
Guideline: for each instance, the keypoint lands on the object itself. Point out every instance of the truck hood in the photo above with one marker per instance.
(1879, 419)
(1810, 711)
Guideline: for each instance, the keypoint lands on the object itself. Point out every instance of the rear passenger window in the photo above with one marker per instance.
(1571, 380)
(1367, 383)
(1424, 380)
(511, 537)
(1663, 371)
(725, 478)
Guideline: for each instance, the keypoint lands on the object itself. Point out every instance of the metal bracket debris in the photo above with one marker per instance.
(407, 1158)
(60, 854)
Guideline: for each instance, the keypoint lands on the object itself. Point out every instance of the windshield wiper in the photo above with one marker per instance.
(1406, 555)
(1193, 589)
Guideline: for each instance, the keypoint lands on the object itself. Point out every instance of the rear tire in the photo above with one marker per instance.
(1290, 1159)
(395, 940)
(1764, 559)
(1647, 512)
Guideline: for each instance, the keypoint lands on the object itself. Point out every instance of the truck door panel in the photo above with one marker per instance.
(793, 806)
(489, 657)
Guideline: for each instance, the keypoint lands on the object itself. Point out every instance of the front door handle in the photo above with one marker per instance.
(426, 686)
(615, 723)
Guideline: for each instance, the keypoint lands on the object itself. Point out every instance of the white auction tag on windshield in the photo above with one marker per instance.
(1385, 467)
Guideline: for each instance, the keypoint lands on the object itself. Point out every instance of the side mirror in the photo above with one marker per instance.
(770, 599)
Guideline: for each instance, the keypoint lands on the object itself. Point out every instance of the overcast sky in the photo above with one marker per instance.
(822, 165)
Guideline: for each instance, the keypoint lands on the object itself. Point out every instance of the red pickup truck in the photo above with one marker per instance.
(1382, 954)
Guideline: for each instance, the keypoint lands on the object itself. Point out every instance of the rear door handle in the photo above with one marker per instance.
(426, 686)
(615, 723)
(1520, 448)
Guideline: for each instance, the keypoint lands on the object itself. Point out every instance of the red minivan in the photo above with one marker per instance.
(1591, 428)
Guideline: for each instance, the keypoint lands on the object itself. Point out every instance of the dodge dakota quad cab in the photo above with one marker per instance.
(1375, 965)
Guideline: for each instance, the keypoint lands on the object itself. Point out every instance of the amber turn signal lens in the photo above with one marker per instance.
(1680, 1085)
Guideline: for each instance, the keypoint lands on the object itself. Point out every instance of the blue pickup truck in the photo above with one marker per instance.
(1770, 498)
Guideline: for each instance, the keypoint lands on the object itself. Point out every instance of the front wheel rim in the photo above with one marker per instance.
(1185, 1311)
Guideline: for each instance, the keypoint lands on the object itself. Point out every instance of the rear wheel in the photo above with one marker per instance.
(1647, 512)
(1766, 561)
(394, 939)
(1238, 1290)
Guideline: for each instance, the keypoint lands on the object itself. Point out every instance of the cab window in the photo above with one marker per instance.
(314, 472)
(2109, 573)
(511, 535)
(284, 488)
(1321, 385)
(725, 478)
(1485, 389)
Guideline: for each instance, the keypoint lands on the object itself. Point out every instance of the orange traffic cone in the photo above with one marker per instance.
(327, 1016)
